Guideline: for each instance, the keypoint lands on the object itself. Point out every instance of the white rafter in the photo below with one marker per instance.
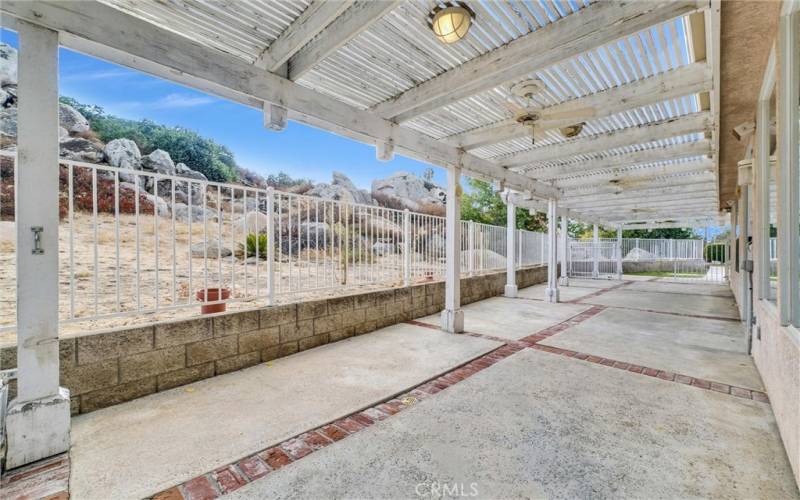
(103, 31)
(687, 80)
(596, 25)
(318, 15)
(347, 26)
(683, 125)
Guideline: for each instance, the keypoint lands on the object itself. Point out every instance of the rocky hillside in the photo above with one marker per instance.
(79, 142)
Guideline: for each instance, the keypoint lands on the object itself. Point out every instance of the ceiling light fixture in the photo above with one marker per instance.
(451, 23)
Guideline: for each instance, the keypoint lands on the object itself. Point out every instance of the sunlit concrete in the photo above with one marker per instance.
(682, 288)
(566, 293)
(539, 425)
(702, 348)
(139, 448)
(511, 318)
(688, 303)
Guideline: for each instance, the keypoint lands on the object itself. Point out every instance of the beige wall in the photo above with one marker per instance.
(106, 368)
(777, 356)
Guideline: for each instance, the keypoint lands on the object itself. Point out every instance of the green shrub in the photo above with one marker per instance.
(716, 252)
(259, 242)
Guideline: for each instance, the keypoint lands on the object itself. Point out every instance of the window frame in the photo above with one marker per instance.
(788, 153)
(762, 175)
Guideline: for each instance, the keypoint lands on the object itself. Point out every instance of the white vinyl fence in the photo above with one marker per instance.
(136, 243)
(688, 260)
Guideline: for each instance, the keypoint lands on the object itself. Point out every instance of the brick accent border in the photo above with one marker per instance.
(46, 479)
(739, 392)
(235, 475)
(598, 292)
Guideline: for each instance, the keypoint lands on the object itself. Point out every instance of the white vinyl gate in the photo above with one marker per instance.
(590, 259)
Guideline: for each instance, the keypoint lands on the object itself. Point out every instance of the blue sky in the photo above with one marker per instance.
(298, 150)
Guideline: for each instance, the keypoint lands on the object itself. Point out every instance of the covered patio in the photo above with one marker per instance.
(563, 382)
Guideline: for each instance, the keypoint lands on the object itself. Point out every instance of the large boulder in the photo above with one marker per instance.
(182, 213)
(211, 249)
(8, 65)
(72, 120)
(184, 171)
(405, 190)
(341, 189)
(159, 161)
(123, 153)
(80, 149)
(8, 126)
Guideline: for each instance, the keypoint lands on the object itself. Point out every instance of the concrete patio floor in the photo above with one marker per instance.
(537, 425)
(533, 424)
(138, 448)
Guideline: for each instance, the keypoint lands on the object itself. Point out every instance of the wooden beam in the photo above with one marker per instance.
(683, 81)
(679, 189)
(636, 175)
(105, 32)
(688, 124)
(347, 26)
(672, 152)
(661, 182)
(318, 15)
(593, 26)
(614, 200)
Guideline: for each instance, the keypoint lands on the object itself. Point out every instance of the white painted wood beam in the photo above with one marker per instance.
(453, 315)
(683, 81)
(351, 23)
(591, 206)
(511, 249)
(665, 129)
(593, 26)
(37, 420)
(275, 116)
(636, 175)
(105, 32)
(673, 152)
(318, 15)
(665, 182)
(551, 292)
(652, 191)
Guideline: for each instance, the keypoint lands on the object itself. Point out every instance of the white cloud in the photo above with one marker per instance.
(172, 101)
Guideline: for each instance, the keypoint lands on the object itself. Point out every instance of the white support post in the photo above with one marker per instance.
(453, 315)
(551, 293)
(619, 252)
(595, 251)
(270, 246)
(564, 279)
(511, 246)
(406, 247)
(384, 150)
(37, 421)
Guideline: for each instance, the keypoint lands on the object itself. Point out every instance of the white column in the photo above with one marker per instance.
(595, 251)
(551, 293)
(564, 280)
(37, 421)
(619, 252)
(453, 316)
(406, 248)
(511, 247)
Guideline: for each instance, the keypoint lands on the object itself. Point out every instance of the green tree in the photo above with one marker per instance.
(481, 204)
(200, 153)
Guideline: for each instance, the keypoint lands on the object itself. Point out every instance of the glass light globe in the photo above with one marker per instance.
(451, 24)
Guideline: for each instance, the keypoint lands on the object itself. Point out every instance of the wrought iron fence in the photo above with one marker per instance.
(144, 245)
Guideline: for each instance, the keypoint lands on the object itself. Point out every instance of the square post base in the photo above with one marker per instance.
(37, 429)
(453, 320)
(551, 295)
(511, 291)
(563, 281)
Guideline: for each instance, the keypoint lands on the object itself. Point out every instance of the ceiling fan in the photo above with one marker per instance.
(521, 103)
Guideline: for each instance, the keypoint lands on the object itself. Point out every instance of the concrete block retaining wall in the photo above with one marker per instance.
(106, 368)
